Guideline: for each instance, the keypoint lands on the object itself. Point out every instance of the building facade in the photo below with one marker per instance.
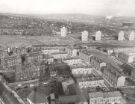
(114, 97)
(90, 82)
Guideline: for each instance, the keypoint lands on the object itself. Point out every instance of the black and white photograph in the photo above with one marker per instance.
(67, 51)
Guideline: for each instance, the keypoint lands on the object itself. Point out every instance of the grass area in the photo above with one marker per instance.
(16, 41)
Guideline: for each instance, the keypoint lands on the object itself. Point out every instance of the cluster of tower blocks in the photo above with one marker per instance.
(98, 35)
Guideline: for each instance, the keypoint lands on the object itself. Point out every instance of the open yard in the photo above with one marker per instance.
(16, 41)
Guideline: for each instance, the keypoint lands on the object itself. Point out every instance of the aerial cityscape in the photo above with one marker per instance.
(70, 58)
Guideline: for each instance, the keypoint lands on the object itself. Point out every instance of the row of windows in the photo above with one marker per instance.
(105, 100)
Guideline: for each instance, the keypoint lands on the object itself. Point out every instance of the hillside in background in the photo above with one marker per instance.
(37, 25)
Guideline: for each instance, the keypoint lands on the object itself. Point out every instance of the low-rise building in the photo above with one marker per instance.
(69, 86)
(126, 57)
(82, 69)
(72, 51)
(26, 72)
(10, 61)
(60, 69)
(72, 60)
(133, 73)
(60, 55)
(94, 60)
(113, 76)
(97, 63)
(35, 57)
(114, 97)
(130, 69)
(91, 82)
(124, 49)
(48, 58)
(130, 36)
(85, 55)
(48, 49)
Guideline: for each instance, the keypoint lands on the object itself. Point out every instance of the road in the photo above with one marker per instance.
(1, 101)
(24, 83)
(7, 96)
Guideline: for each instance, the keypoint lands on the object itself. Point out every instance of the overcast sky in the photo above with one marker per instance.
(93, 7)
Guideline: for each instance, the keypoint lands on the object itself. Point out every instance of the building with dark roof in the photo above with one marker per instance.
(62, 69)
(74, 99)
(38, 96)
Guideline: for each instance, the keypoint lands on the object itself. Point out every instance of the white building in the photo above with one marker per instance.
(72, 61)
(132, 36)
(121, 36)
(84, 36)
(98, 35)
(63, 31)
(8, 49)
(90, 82)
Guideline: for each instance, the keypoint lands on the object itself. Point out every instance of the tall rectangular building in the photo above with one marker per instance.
(98, 35)
(121, 36)
(84, 36)
(63, 31)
